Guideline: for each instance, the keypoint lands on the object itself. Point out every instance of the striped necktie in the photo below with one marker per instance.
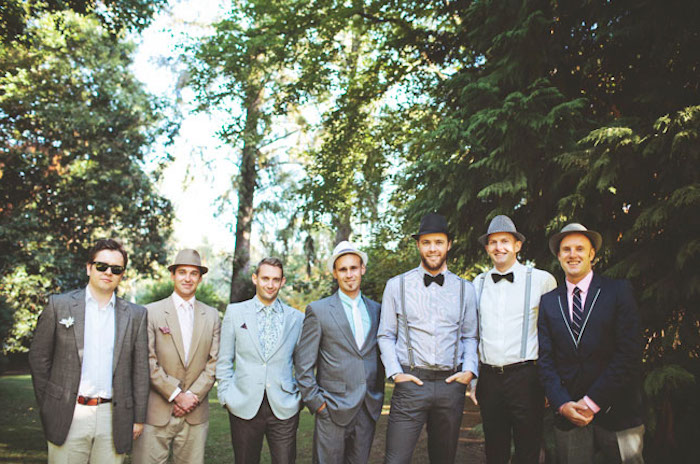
(577, 313)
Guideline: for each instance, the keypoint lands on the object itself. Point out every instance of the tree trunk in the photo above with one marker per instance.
(241, 285)
(342, 228)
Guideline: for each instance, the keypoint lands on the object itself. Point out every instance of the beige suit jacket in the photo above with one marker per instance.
(166, 357)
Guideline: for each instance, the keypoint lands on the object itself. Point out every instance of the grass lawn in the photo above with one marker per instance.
(22, 440)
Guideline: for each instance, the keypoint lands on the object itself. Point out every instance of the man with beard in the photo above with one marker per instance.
(428, 341)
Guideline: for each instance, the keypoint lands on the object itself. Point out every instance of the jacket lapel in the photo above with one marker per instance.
(338, 313)
(250, 320)
(198, 326)
(562, 299)
(121, 322)
(175, 331)
(77, 312)
(589, 304)
(374, 327)
(287, 327)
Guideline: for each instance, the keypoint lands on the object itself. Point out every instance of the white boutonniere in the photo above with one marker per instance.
(67, 321)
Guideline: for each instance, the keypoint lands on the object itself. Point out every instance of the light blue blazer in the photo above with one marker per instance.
(243, 375)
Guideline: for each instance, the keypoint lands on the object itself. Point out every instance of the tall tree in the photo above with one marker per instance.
(237, 67)
(75, 126)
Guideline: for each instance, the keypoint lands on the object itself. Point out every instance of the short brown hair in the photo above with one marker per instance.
(107, 244)
(270, 261)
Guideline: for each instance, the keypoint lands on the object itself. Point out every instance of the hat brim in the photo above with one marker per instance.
(484, 239)
(595, 238)
(202, 269)
(332, 260)
(426, 232)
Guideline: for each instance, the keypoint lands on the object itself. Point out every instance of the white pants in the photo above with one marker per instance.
(89, 439)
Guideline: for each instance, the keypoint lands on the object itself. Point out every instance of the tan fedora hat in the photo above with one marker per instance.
(574, 228)
(188, 257)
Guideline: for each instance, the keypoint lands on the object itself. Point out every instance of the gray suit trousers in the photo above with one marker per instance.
(350, 444)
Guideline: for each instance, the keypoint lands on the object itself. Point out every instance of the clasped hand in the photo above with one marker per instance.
(578, 412)
(184, 403)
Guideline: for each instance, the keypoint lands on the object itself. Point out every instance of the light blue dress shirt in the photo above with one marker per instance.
(347, 306)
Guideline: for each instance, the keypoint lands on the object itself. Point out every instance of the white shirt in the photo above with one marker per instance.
(98, 348)
(185, 316)
(501, 314)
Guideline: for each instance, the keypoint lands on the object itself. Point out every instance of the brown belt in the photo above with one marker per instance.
(87, 401)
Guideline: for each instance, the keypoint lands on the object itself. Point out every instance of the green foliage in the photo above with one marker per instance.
(116, 15)
(74, 128)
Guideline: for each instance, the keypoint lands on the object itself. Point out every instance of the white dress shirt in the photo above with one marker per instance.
(185, 316)
(98, 348)
(501, 314)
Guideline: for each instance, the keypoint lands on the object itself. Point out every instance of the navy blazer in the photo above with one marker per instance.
(604, 363)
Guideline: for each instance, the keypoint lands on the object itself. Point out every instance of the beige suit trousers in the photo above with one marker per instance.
(187, 441)
(89, 439)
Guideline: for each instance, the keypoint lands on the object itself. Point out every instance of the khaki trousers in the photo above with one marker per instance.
(89, 439)
(187, 441)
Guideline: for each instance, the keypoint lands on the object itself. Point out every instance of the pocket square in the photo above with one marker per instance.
(244, 326)
(165, 330)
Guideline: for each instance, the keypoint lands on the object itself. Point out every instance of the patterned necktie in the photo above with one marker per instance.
(357, 322)
(268, 331)
(577, 313)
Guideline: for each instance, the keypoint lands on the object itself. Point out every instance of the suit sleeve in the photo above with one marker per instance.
(305, 358)
(41, 350)
(205, 381)
(628, 350)
(227, 356)
(554, 390)
(140, 372)
(469, 338)
(161, 382)
(388, 332)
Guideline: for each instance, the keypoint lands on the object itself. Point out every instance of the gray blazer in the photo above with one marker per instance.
(244, 375)
(55, 360)
(330, 368)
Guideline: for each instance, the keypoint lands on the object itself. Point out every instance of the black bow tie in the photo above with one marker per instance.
(438, 279)
(497, 277)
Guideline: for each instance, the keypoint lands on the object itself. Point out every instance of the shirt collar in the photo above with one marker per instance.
(179, 301)
(423, 270)
(582, 285)
(89, 298)
(349, 301)
(514, 269)
(275, 306)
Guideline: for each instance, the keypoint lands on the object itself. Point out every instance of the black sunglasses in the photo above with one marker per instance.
(102, 267)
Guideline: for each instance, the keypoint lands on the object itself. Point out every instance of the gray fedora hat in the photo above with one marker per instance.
(188, 257)
(501, 223)
(344, 248)
(574, 228)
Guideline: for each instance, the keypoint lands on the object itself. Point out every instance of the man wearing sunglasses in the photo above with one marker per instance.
(89, 365)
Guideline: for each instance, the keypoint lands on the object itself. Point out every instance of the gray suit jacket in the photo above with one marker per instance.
(244, 375)
(330, 367)
(55, 360)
